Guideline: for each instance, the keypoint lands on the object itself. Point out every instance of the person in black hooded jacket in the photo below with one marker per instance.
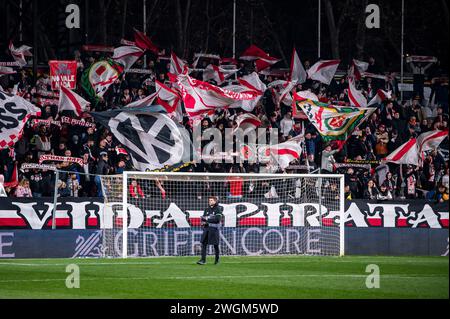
(211, 221)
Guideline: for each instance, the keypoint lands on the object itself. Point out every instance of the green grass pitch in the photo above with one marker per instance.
(235, 277)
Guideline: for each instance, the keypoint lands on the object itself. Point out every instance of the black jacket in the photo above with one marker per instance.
(211, 234)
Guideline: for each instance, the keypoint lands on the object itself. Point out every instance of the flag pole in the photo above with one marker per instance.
(318, 30)
(144, 26)
(234, 35)
(401, 50)
(234, 29)
(20, 21)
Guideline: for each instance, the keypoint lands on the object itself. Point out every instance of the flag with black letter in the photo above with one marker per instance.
(14, 113)
(153, 140)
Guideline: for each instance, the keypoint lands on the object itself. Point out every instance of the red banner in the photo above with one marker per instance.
(63, 73)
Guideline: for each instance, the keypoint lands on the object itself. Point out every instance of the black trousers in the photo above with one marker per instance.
(216, 251)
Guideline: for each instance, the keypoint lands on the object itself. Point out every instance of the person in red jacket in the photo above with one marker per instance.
(135, 190)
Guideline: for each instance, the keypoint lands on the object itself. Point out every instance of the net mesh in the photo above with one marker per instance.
(269, 214)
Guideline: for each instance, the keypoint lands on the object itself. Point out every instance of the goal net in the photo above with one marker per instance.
(263, 214)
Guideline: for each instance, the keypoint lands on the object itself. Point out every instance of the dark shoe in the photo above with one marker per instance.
(216, 261)
(201, 262)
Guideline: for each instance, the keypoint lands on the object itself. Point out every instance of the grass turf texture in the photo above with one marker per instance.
(235, 277)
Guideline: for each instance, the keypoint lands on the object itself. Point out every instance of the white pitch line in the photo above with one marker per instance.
(221, 277)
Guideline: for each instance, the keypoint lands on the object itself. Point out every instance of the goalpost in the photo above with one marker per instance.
(263, 214)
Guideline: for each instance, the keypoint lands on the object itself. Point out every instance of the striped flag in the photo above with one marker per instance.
(407, 153)
(430, 140)
(69, 100)
(323, 70)
(355, 96)
(285, 153)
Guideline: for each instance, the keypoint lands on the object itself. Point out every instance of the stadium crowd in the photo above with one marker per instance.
(394, 122)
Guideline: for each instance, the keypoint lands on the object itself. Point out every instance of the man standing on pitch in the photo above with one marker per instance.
(211, 220)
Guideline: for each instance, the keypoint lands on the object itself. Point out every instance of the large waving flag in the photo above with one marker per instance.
(153, 140)
(127, 55)
(430, 140)
(406, 153)
(262, 59)
(355, 96)
(14, 111)
(411, 152)
(323, 70)
(298, 73)
(20, 53)
(284, 153)
(69, 100)
(99, 76)
(333, 122)
(200, 97)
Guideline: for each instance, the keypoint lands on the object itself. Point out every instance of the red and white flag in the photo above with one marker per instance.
(405, 154)
(247, 122)
(69, 100)
(216, 73)
(430, 140)
(262, 59)
(200, 97)
(144, 42)
(166, 97)
(357, 69)
(20, 53)
(298, 73)
(127, 55)
(252, 82)
(355, 96)
(323, 70)
(177, 66)
(380, 97)
(285, 153)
